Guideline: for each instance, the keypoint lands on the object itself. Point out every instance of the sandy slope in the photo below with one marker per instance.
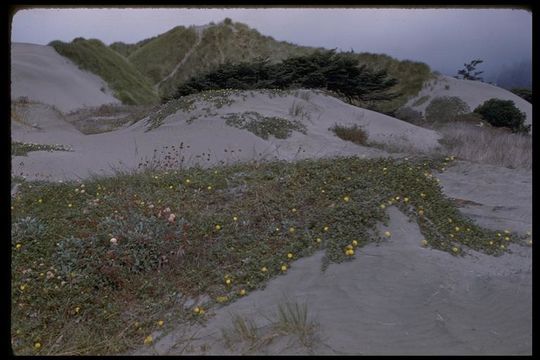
(212, 141)
(394, 298)
(474, 93)
(41, 74)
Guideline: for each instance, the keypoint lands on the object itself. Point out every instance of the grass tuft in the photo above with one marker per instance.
(355, 133)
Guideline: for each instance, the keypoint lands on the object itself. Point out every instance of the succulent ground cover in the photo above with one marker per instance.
(100, 265)
(22, 149)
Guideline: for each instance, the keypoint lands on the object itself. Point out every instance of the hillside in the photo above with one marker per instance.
(127, 83)
(38, 73)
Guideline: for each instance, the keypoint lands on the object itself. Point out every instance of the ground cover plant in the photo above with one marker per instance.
(264, 126)
(22, 149)
(99, 265)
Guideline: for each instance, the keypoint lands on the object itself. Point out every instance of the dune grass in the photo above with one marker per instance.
(96, 265)
(128, 84)
(353, 134)
(487, 145)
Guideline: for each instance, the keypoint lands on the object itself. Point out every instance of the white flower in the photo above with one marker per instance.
(172, 217)
(113, 241)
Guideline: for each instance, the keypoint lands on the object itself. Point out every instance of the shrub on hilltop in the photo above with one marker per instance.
(338, 72)
(503, 113)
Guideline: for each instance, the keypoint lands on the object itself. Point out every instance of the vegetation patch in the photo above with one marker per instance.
(355, 133)
(22, 149)
(444, 109)
(128, 84)
(99, 265)
(503, 113)
(264, 126)
(410, 115)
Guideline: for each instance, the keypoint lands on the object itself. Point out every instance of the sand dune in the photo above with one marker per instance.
(211, 141)
(474, 93)
(39, 73)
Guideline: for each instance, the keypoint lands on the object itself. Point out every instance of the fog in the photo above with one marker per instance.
(444, 38)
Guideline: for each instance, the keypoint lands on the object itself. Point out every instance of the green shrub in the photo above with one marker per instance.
(503, 113)
(525, 94)
(354, 133)
(444, 109)
(409, 115)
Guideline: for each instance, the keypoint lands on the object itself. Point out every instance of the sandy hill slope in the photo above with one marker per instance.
(222, 127)
(39, 73)
(474, 93)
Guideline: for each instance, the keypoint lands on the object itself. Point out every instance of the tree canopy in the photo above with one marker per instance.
(338, 72)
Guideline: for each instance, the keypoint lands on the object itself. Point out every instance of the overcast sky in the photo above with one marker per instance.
(442, 38)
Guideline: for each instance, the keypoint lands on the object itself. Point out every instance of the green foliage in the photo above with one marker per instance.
(22, 149)
(94, 297)
(127, 83)
(503, 113)
(444, 109)
(525, 94)
(264, 126)
(409, 115)
(354, 133)
(337, 72)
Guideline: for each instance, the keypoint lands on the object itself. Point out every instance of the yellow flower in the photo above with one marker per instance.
(40, 201)
(18, 246)
(530, 242)
(451, 235)
(491, 243)
(384, 169)
(349, 252)
(293, 210)
(499, 234)
(37, 345)
(209, 188)
(283, 268)
(506, 232)
(235, 218)
(197, 310)
(506, 238)
(406, 199)
(424, 242)
(355, 243)
(457, 228)
(346, 198)
(170, 186)
(387, 233)
(397, 198)
(242, 292)
(77, 309)
(449, 220)
(188, 181)
(160, 322)
(326, 228)
(218, 227)
(420, 212)
(264, 269)
(455, 249)
(69, 205)
(382, 206)
(148, 340)
(348, 247)
(228, 281)
(221, 299)
(422, 195)
(291, 229)
(322, 191)
(502, 246)
(289, 255)
(22, 287)
(318, 240)
(277, 229)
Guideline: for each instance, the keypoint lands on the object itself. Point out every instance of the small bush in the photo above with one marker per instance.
(445, 109)
(409, 115)
(354, 134)
(525, 94)
(503, 113)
